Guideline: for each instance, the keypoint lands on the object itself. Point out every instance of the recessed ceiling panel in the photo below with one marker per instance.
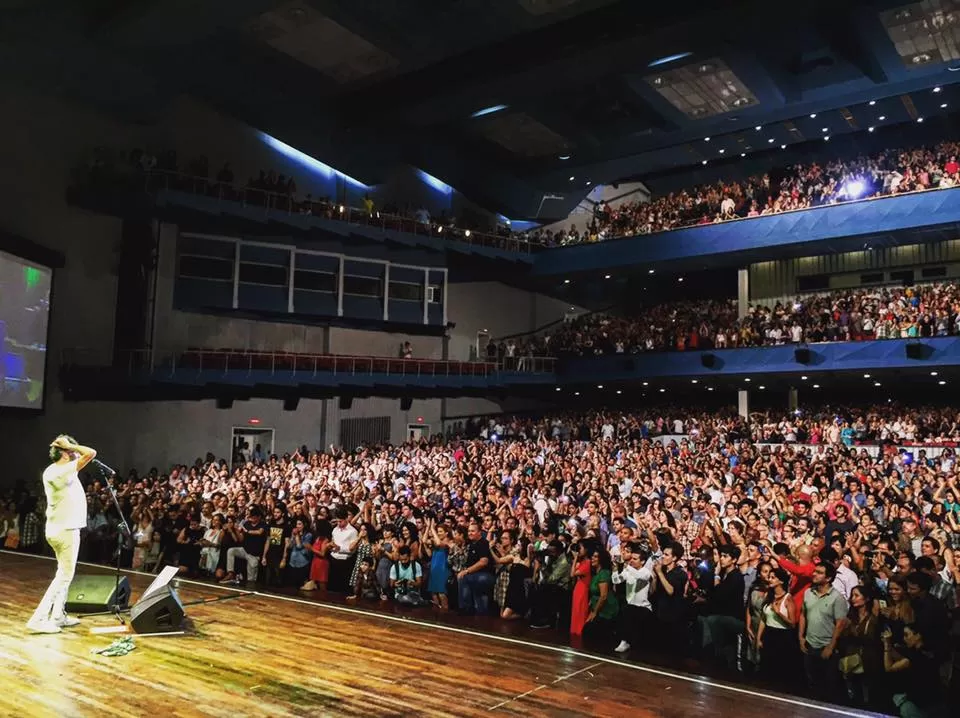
(298, 30)
(925, 32)
(703, 89)
(521, 134)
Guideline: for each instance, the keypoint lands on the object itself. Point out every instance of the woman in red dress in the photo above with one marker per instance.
(320, 566)
(580, 571)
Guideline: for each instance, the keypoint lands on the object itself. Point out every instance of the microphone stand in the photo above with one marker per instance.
(124, 535)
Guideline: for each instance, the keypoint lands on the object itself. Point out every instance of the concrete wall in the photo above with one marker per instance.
(44, 139)
(498, 309)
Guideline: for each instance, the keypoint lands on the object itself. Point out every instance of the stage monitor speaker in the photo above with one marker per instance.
(915, 351)
(345, 403)
(708, 360)
(405, 403)
(159, 609)
(95, 594)
(802, 355)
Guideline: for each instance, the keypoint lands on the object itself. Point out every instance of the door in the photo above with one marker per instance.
(246, 439)
(418, 432)
(483, 338)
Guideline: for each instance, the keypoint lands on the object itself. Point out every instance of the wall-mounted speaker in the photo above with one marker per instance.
(345, 403)
(406, 403)
(708, 360)
(291, 403)
(802, 355)
(224, 402)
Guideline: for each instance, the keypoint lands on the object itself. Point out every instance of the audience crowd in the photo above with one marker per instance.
(827, 571)
(800, 186)
(863, 314)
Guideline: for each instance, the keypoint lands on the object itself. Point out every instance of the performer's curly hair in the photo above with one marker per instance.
(55, 451)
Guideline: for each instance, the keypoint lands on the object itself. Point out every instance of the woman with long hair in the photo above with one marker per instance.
(320, 566)
(899, 611)
(754, 613)
(581, 574)
(860, 658)
(777, 640)
(604, 606)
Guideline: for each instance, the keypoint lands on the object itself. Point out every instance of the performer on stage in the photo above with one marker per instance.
(66, 515)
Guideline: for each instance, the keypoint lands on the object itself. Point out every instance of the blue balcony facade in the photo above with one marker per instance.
(907, 219)
(760, 361)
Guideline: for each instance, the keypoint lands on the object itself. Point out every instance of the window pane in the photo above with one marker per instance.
(315, 281)
(362, 286)
(406, 291)
(206, 267)
(269, 274)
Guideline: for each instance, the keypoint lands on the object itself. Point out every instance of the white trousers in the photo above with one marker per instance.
(253, 562)
(66, 546)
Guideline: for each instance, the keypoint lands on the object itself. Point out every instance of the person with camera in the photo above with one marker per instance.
(722, 620)
(550, 592)
(669, 604)
(634, 569)
(406, 576)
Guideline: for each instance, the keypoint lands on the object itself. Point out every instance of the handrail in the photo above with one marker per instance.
(306, 204)
(760, 216)
(145, 361)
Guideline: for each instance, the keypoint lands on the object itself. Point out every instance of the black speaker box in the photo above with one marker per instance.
(345, 403)
(915, 351)
(93, 594)
(157, 612)
(405, 403)
(802, 355)
(708, 360)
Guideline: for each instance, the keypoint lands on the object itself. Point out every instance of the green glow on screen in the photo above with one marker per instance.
(31, 276)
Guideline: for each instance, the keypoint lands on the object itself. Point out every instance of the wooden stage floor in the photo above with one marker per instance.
(265, 655)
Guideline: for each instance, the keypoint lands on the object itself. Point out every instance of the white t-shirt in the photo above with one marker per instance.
(66, 500)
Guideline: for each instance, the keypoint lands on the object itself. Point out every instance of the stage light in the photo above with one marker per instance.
(872, 103)
(489, 110)
(666, 59)
(854, 189)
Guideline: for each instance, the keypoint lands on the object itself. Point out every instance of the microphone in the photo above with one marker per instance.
(103, 467)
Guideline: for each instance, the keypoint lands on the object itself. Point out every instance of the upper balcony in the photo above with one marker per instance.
(909, 218)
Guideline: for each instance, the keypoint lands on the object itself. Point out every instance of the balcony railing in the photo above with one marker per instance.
(286, 364)
(273, 204)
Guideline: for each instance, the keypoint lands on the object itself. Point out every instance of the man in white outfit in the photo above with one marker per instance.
(66, 515)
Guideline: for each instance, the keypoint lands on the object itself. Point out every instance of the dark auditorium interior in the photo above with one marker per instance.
(538, 357)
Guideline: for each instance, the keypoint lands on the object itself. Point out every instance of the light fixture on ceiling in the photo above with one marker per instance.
(882, 118)
(588, 183)
(704, 162)
(709, 388)
(934, 373)
(758, 128)
(816, 386)
(936, 89)
(872, 103)
(747, 379)
(694, 381)
(876, 383)
(576, 393)
(489, 110)
(563, 157)
(599, 386)
(813, 115)
(662, 390)
(866, 376)
(920, 119)
(943, 106)
(722, 150)
(606, 276)
(783, 147)
(941, 382)
(572, 178)
(558, 388)
(679, 279)
(706, 139)
(871, 129)
(826, 138)
(770, 141)
(646, 383)
(619, 392)
(566, 281)
(743, 154)
(651, 271)
(761, 387)
(803, 378)
(824, 129)
(667, 59)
